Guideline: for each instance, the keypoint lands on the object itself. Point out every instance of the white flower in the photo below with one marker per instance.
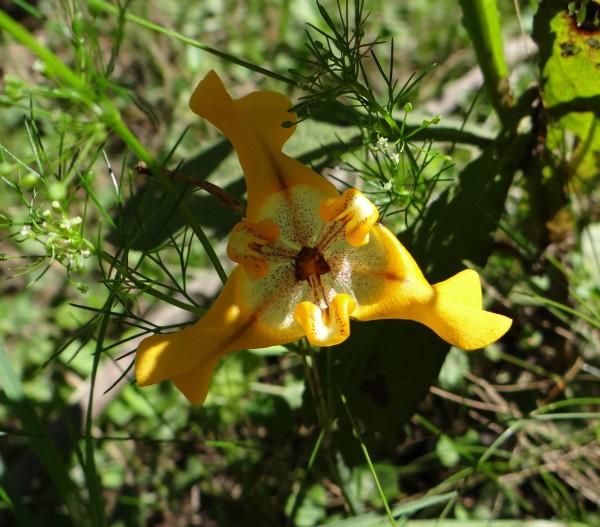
(382, 142)
(395, 157)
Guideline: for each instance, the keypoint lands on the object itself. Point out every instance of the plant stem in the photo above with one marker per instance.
(481, 19)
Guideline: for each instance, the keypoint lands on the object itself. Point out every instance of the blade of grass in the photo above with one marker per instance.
(11, 497)
(100, 5)
(377, 522)
(92, 480)
(580, 401)
(374, 519)
(41, 442)
(300, 495)
(368, 460)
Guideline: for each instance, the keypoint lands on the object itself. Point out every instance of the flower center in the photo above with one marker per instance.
(310, 261)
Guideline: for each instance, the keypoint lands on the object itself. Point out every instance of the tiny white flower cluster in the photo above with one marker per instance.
(68, 223)
(383, 145)
(392, 149)
(392, 152)
(61, 237)
(382, 142)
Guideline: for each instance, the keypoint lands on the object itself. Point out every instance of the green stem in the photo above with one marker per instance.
(54, 66)
(363, 447)
(482, 21)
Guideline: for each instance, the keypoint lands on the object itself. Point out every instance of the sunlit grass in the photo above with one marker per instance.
(98, 250)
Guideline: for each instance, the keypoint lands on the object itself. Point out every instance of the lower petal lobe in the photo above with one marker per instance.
(229, 325)
(326, 327)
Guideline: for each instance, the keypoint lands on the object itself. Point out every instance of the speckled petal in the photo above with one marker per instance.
(232, 323)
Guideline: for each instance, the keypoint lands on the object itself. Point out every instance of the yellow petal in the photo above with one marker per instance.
(254, 126)
(245, 244)
(326, 327)
(353, 209)
(453, 308)
(386, 279)
(266, 111)
(456, 313)
(463, 326)
(464, 287)
(229, 325)
(194, 384)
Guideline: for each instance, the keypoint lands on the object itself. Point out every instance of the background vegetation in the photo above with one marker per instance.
(475, 130)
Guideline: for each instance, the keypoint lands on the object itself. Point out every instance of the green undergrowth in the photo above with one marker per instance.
(107, 236)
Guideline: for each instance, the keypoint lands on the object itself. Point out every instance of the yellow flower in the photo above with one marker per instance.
(309, 259)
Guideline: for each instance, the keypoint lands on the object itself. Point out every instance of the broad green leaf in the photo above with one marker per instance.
(386, 367)
(460, 225)
(569, 60)
(447, 452)
(312, 508)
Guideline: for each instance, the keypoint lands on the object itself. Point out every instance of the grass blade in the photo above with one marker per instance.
(41, 442)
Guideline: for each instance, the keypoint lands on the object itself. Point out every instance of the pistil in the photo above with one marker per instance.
(309, 262)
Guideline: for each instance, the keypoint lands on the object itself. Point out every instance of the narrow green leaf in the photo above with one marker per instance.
(39, 438)
(370, 521)
(374, 519)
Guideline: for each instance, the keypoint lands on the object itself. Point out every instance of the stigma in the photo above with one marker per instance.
(310, 262)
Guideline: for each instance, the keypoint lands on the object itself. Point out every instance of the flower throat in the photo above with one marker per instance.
(310, 261)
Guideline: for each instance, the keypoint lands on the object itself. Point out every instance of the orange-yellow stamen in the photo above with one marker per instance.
(355, 211)
(245, 245)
